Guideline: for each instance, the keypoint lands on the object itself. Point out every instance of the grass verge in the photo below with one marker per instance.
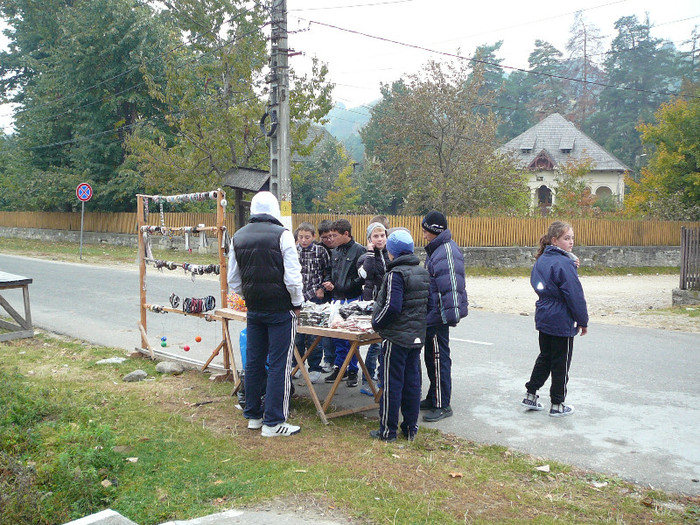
(75, 439)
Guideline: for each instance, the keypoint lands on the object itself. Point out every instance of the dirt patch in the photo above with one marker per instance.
(628, 300)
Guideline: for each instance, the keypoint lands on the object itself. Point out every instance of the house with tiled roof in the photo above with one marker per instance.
(549, 145)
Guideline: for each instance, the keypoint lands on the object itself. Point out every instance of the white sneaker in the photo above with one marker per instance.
(281, 430)
(561, 410)
(255, 424)
(297, 374)
(327, 368)
(315, 376)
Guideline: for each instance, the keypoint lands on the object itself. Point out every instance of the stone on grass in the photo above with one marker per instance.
(169, 367)
(136, 375)
(111, 361)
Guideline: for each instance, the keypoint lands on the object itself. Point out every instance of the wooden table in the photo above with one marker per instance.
(357, 339)
(23, 328)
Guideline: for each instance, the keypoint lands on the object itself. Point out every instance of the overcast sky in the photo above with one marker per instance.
(358, 64)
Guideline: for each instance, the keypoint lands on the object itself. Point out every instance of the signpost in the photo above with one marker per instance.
(84, 194)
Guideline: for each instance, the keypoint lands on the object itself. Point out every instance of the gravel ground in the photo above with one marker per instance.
(630, 300)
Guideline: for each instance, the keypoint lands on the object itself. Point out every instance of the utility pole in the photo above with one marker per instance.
(278, 111)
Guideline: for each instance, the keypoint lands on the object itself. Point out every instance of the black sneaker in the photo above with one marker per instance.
(334, 375)
(374, 434)
(410, 435)
(426, 404)
(436, 414)
(352, 379)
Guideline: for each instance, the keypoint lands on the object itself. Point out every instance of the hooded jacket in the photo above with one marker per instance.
(561, 306)
(264, 265)
(448, 302)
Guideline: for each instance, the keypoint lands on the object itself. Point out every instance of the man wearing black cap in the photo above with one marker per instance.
(447, 304)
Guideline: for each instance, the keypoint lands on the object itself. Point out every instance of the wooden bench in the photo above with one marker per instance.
(23, 328)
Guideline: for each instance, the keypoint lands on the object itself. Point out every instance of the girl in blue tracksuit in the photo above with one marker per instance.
(560, 314)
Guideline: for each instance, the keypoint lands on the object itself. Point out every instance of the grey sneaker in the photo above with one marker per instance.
(561, 410)
(530, 402)
(281, 430)
(255, 424)
(315, 376)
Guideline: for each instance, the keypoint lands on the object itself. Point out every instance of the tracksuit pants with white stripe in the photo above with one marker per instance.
(554, 359)
(271, 341)
(438, 365)
(399, 370)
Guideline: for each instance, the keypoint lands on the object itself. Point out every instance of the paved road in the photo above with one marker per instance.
(636, 391)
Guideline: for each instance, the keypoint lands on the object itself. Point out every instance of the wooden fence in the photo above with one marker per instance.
(466, 231)
(690, 259)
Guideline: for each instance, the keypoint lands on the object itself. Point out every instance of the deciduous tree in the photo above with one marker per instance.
(74, 68)
(214, 97)
(437, 146)
(669, 187)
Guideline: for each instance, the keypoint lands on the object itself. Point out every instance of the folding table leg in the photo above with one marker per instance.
(341, 373)
(312, 391)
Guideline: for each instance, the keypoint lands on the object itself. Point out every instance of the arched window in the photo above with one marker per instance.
(603, 191)
(544, 196)
(544, 199)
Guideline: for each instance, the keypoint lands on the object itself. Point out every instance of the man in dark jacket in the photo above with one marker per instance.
(346, 286)
(399, 317)
(264, 269)
(447, 304)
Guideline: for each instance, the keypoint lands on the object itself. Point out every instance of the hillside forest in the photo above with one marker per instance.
(135, 97)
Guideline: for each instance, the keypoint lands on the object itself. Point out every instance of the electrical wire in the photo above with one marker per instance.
(493, 64)
(129, 126)
(373, 4)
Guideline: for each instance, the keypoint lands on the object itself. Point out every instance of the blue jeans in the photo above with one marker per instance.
(303, 342)
(328, 350)
(342, 347)
(371, 359)
(270, 340)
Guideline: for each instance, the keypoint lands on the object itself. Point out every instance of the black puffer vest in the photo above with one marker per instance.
(261, 264)
(409, 329)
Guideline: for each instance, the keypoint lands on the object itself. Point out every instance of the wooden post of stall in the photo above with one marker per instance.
(229, 364)
(141, 221)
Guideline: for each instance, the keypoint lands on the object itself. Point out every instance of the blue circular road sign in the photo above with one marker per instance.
(84, 191)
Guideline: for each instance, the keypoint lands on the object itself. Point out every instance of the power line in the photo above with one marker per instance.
(374, 4)
(531, 22)
(127, 127)
(485, 62)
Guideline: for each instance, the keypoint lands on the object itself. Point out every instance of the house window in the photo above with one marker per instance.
(544, 199)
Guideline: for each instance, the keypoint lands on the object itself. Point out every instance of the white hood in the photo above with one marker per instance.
(265, 202)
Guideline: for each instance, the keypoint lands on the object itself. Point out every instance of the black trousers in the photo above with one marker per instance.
(438, 365)
(554, 359)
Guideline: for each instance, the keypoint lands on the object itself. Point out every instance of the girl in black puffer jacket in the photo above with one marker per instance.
(371, 266)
